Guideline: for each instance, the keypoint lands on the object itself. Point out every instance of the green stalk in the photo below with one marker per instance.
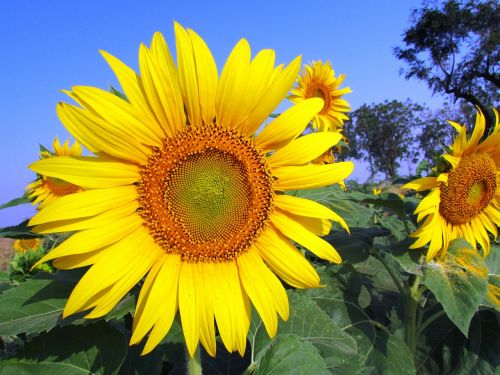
(410, 319)
(194, 363)
(429, 321)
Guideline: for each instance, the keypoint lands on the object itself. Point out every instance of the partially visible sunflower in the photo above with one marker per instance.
(318, 80)
(45, 189)
(463, 202)
(183, 191)
(24, 245)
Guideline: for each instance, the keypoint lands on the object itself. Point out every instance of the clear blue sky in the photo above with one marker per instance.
(51, 45)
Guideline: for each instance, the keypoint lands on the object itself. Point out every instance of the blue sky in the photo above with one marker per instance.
(52, 45)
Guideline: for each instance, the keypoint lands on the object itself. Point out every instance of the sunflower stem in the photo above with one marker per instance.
(429, 321)
(411, 303)
(194, 363)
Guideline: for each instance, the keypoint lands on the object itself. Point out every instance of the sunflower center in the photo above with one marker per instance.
(60, 187)
(206, 194)
(471, 187)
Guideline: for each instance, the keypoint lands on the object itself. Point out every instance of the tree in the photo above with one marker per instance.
(455, 49)
(384, 134)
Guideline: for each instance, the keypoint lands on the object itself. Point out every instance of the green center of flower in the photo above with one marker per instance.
(471, 187)
(477, 192)
(206, 195)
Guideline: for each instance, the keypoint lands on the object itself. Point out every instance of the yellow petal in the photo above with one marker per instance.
(88, 171)
(132, 86)
(206, 312)
(197, 75)
(170, 78)
(160, 90)
(85, 204)
(233, 318)
(307, 207)
(161, 301)
(286, 261)
(311, 176)
(259, 79)
(304, 149)
(112, 140)
(188, 305)
(95, 238)
(102, 219)
(231, 87)
(274, 95)
(118, 113)
(121, 260)
(264, 289)
(421, 184)
(288, 125)
(119, 289)
(77, 260)
(304, 237)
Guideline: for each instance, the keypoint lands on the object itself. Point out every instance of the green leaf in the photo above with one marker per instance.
(355, 247)
(293, 356)
(4, 281)
(44, 149)
(459, 282)
(90, 349)
(20, 231)
(408, 259)
(118, 93)
(16, 202)
(377, 350)
(493, 259)
(35, 305)
(311, 324)
(493, 293)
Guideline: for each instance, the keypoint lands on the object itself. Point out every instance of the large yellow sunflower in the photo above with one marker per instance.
(183, 191)
(463, 202)
(318, 81)
(46, 189)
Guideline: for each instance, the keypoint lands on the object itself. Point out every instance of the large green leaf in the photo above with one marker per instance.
(408, 259)
(312, 325)
(378, 351)
(37, 304)
(459, 282)
(293, 356)
(90, 349)
(354, 247)
(4, 281)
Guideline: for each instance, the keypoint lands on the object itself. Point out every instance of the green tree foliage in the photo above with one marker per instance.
(436, 133)
(453, 47)
(383, 134)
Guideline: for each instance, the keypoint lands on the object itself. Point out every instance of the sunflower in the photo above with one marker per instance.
(22, 246)
(318, 81)
(45, 189)
(182, 191)
(463, 202)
